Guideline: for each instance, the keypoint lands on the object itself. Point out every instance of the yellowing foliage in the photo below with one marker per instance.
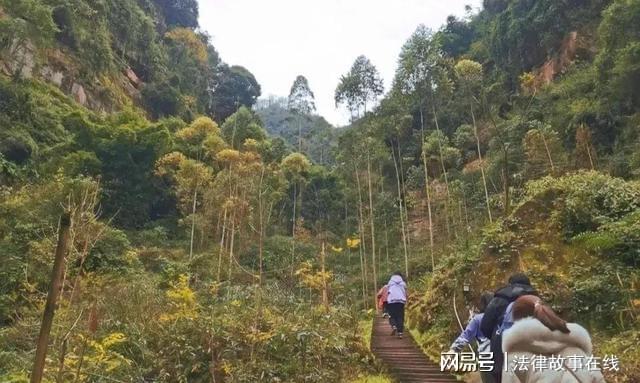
(528, 82)
(213, 144)
(169, 163)
(199, 129)
(103, 356)
(469, 71)
(312, 279)
(228, 156)
(296, 164)
(353, 242)
(191, 42)
(250, 145)
(182, 300)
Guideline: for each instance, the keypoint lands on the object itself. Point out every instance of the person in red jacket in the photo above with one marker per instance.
(382, 300)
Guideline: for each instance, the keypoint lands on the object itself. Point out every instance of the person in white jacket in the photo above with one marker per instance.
(396, 300)
(541, 347)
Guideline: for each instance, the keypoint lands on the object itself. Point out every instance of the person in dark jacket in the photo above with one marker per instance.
(490, 325)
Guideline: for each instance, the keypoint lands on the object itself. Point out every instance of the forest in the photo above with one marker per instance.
(216, 236)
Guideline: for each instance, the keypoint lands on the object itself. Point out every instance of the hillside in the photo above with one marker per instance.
(523, 123)
(319, 138)
(122, 115)
(216, 237)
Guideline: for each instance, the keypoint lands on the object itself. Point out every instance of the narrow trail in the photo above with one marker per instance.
(403, 357)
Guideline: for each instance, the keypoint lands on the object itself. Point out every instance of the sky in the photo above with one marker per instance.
(277, 40)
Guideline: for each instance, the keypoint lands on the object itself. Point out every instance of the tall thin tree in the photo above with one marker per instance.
(301, 102)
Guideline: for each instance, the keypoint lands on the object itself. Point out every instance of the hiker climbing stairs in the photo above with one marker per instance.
(403, 357)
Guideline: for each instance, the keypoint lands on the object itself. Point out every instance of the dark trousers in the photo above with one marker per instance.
(396, 315)
(498, 357)
(487, 377)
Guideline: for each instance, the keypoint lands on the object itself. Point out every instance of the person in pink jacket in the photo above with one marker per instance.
(382, 300)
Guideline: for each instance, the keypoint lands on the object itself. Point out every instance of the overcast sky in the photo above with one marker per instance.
(279, 39)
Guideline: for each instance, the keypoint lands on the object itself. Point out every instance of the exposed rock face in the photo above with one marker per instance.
(560, 62)
(52, 76)
(79, 94)
(133, 77)
(28, 63)
(21, 61)
(104, 93)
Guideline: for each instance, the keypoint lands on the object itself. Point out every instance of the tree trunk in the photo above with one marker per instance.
(386, 227)
(363, 245)
(299, 134)
(444, 173)
(261, 228)
(52, 298)
(325, 294)
(404, 234)
(293, 232)
(546, 148)
(76, 281)
(426, 188)
(466, 213)
(404, 201)
(363, 273)
(235, 126)
(593, 167)
(193, 222)
(83, 348)
(372, 224)
(231, 243)
(505, 176)
(484, 179)
(221, 250)
(63, 354)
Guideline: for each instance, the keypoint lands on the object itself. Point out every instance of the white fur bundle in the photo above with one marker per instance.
(528, 337)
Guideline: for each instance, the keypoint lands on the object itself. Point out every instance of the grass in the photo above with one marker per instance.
(373, 379)
(366, 326)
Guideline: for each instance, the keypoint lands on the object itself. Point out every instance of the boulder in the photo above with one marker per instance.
(133, 77)
(79, 94)
(52, 75)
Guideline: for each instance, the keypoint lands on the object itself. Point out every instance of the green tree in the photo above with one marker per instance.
(543, 151)
(618, 61)
(235, 86)
(422, 76)
(181, 13)
(296, 167)
(242, 125)
(470, 76)
(200, 139)
(455, 37)
(361, 85)
(301, 102)
(190, 177)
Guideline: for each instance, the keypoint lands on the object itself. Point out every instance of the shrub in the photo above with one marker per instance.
(589, 199)
(109, 252)
(620, 239)
(162, 100)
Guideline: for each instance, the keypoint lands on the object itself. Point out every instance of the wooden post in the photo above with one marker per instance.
(193, 221)
(505, 170)
(52, 298)
(325, 295)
